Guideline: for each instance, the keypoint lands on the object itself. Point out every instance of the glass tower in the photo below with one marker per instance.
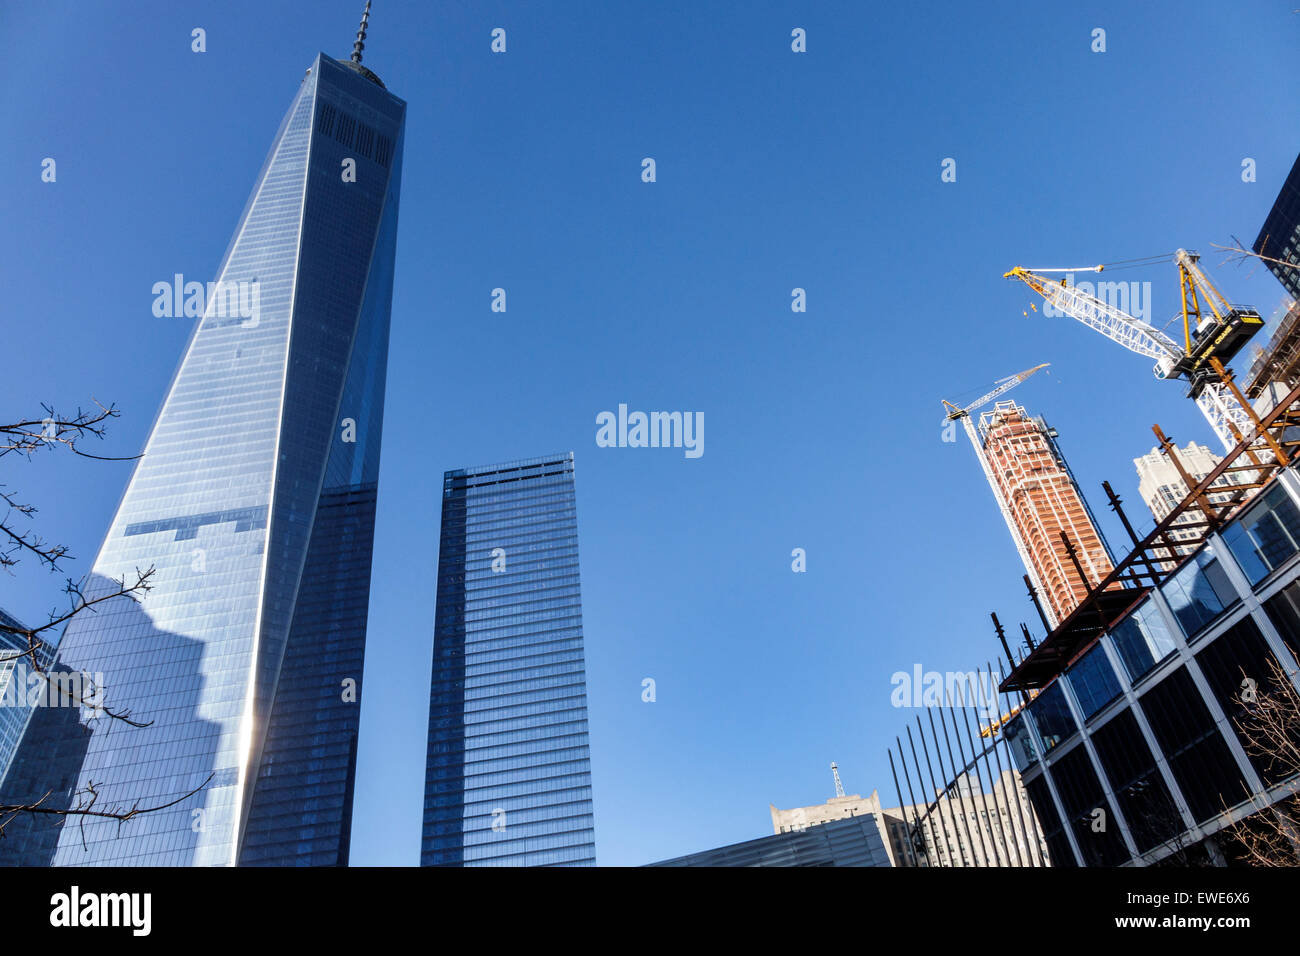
(1279, 237)
(15, 667)
(508, 775)
(255, 502)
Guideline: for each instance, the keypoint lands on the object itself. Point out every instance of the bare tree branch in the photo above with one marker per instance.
(1270, 728)
(86, 799)
(78, 604)
(25, 438)
(1238, 253)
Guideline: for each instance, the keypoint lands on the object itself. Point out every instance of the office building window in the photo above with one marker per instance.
(1022, 749)
(1093, 681)
(1142, 640)
(1052, 716)
(1058, 844)
(1284, 611)
(1265, 536)
(1135, 780)
(1237, 667)
(1085, 804)
(1199, 592)
(1197, 754)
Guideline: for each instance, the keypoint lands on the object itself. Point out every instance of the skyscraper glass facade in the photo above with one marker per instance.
(1279, 237)
(254, 503)
(15, 665)
(508, 776)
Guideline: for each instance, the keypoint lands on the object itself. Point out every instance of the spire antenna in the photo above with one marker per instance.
(839, 787)
(361, 35)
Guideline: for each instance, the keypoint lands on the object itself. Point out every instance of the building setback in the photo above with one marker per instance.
(254, 502)
(1044, 501)
(508, 775)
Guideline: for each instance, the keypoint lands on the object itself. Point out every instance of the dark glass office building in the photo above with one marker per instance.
(508, 776)
(855, 841)
(1279, 237)
(255, 502)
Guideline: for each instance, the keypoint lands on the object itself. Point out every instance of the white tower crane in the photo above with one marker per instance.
(1003, 385)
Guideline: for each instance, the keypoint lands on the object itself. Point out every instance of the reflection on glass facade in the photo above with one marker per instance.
(508, 776)
(1022, 748)
(1093, 681)
(254, 501)
(1142, 640)
(1266, 535)
(48, 761)
(1198, 592)
(14, 696)
(1052, 718)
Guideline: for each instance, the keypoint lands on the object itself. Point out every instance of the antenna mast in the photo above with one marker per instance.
(839, 787)
(361, 35)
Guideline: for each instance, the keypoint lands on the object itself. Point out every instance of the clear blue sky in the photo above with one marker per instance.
(775, 171)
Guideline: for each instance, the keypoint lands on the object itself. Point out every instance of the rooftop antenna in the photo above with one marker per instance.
(839, 787)
(361, 35)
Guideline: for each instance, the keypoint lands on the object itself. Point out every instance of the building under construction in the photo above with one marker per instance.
(1278, 363)
(1062, 544)
(1161, 706)
(1164, 486)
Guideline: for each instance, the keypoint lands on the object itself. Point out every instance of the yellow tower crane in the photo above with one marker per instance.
(1214, 330)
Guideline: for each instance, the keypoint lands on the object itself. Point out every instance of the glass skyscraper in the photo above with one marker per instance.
(255, 503)
(15, 709)
(508, 776)
(1279, 237)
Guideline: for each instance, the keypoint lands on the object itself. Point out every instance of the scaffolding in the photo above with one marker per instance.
(1280, 361)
